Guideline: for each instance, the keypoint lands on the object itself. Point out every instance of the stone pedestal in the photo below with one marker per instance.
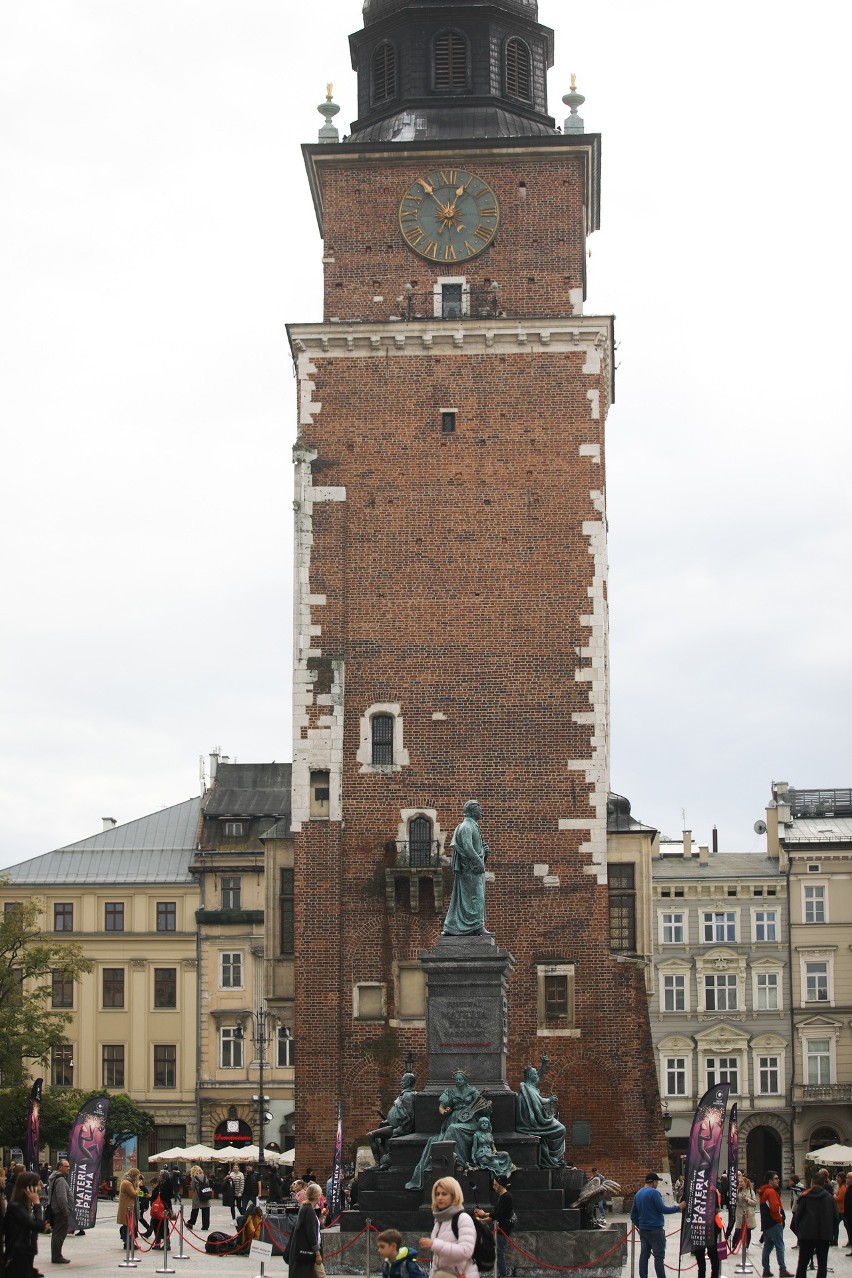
(466, 1012)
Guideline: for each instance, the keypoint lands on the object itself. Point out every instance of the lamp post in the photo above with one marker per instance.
(262, 1025)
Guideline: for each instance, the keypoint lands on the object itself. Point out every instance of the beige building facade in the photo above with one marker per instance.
(811, 832)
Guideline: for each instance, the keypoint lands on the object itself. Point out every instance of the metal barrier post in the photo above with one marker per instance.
(130, 1261)
(369, 1240)
(181, 1255)
(633, 1253)
(166, 1249)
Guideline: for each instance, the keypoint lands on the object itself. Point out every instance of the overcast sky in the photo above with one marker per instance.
(156, 234)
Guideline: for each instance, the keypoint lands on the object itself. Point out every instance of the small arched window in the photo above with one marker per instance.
(381, 734)
(420, 842)
(450, 61)
(383, 73)
(518, 70)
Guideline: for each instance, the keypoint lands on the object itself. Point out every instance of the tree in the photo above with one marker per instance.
(59, 1106)
(29, 1025)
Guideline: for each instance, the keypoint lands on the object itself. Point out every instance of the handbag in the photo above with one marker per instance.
(158, 1211)
(722, 1248)
(319, 1268)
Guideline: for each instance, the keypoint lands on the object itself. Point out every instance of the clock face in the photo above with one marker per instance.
(449, 215)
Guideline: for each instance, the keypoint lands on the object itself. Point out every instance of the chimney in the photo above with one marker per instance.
(687, 843)
(109, 823)
(214, 763)
(702, 854)
(715, 841)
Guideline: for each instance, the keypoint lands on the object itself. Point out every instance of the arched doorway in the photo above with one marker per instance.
(764, 1153)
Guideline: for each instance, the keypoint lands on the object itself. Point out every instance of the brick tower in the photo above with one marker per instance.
(450, 636)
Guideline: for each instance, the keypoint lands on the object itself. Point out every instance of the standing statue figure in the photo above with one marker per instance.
(399, 1122)
(462, 1105)
(485, 1155)
(536, 1117)
(466, 913)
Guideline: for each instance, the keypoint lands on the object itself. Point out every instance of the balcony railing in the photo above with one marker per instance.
(474, 303)
(417, 855)
(834, 1093)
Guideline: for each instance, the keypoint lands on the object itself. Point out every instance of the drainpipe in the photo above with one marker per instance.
(202, 884)
(792, 1018)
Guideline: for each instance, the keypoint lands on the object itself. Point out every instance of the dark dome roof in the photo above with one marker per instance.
(450, 123)
(376, 9)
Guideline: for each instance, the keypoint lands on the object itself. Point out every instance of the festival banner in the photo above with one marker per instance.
(85, 1151)
(33, 1136)
(733, 1167)
(335, 1201)
(702, 1159)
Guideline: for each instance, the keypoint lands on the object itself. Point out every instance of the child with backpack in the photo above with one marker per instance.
(397, 1261)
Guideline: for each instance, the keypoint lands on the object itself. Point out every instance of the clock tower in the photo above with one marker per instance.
(450, 629)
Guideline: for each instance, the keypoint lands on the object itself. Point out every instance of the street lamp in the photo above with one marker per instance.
(262, 1025)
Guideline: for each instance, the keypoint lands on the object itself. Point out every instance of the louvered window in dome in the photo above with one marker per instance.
(518, 70)
(450, 61)
(384, 73)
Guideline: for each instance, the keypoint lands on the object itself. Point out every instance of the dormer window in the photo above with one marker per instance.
(518, 70)
(383, 73)
(450, 62)
(233, 829)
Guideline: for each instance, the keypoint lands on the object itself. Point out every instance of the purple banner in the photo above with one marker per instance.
(85, 1151)
(33, 1137)
(336, 1197)
(733, 1167)
(702, 1163)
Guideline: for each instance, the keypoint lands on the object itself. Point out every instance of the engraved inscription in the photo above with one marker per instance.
(464, 1023)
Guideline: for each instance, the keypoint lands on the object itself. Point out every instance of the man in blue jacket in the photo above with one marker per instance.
(647, 1215)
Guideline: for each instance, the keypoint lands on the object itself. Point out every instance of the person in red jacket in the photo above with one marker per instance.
(772, 1224)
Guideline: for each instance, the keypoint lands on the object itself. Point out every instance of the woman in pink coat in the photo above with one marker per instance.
(452, 1249)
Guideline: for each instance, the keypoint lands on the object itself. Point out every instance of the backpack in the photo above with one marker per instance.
(484, 1249)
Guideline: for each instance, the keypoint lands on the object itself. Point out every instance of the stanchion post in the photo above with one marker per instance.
(633, 1253)
(369, 1226)
(166, 1249)
(181, 1255)
(130, 1261)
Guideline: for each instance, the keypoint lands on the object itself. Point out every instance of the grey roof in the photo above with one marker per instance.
(451, 123)
(153, 849)
(821, 829)
(722, 865)
(250, 790)
(280, 830)
(619, 819)
(375, 9)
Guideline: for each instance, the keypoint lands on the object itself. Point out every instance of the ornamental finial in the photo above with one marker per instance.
(328, 109)
(574, 123)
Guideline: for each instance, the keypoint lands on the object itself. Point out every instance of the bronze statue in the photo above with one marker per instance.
(537, 1117)
(399, 1122)
(462, 1105)
(466, 912)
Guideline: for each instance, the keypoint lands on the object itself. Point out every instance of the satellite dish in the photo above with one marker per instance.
(760, 827)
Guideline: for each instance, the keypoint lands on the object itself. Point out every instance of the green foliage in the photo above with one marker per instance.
(59, 1106)
(29, 1026)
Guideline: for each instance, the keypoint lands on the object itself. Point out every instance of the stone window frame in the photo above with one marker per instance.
(684, 924)
(763, 909)
(823, 885)
(231, 954)
(814, 1031)
(767, 967)
(724, 1041)
(507, 88)
(403, 1018)
(357, 1014)
(569, 1029)
(232, 1034)
(718, 940)
(721, 961)
(675, 1047)
(364, 755)
(733, 1064)
(438, 298)
(675, 967)
(113, 987)
(769, 1045)
(111, 1065)
(817, 954)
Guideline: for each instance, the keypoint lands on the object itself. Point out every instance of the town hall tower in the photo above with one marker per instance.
(450, 631)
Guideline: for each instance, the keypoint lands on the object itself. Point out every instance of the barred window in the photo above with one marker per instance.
(450, 61)
(518, 70)
(384, 73)
(622, 908)
(381, 729)
(420, 841)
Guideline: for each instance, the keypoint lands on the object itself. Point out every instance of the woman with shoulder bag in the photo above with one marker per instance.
(304, 1246)
(201, 1195)
(745, 1216)
(452, 1248)
(128, 1199)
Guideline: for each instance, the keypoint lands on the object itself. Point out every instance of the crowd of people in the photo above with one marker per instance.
(817, 1210)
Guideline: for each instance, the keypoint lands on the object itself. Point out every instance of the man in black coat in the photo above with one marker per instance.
(814, 1224)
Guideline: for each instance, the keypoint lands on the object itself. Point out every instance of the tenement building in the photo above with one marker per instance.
(720, 1003)
(451, 579)
(811, 832)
